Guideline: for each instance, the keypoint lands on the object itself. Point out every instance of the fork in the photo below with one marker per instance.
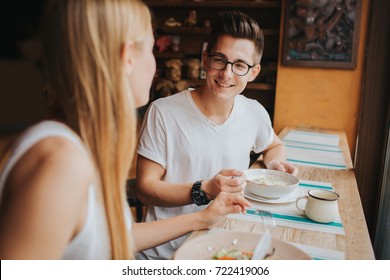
(264, 247)
(267, 218)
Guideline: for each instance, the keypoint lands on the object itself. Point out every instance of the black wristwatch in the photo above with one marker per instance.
(199, 197)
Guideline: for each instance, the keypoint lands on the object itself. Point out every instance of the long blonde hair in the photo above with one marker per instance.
(86, 82)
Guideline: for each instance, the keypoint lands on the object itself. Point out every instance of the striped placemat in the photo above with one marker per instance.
(286, 214)
(314, 149)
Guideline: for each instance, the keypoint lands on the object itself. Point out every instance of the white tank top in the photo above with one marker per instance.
(92, 242)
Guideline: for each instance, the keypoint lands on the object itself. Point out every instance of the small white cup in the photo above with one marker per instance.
(321, 205)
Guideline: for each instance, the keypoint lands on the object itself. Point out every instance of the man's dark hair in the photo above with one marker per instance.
(239, 26)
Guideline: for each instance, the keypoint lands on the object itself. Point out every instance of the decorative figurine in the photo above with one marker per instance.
(175, 43)
(191, 20)
(171, 82)
(172, 70)
(171, 22)
(207, 23)
(164, 43)
(193, 68)
(164, 88)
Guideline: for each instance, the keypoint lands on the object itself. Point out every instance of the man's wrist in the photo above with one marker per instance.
(199, 197)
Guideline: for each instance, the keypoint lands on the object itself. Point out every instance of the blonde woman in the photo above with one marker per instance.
(62, 189)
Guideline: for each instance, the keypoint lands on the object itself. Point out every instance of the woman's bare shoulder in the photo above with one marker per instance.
(54, 156)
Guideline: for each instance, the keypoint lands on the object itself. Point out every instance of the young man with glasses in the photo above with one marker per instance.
(196, 143)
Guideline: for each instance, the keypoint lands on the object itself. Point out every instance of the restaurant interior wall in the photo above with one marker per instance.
(319, 97)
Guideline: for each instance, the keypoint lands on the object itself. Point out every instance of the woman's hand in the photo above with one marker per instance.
(223, 204)
(227, 180)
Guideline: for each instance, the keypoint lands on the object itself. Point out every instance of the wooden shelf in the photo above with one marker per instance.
(261, 86)
(184, 30)
(217, 4)
(169, 54)
(203, 30)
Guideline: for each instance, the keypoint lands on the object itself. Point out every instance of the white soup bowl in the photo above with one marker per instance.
(271, 184)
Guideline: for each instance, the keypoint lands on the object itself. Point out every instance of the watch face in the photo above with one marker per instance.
(196, 197)
(199, 197)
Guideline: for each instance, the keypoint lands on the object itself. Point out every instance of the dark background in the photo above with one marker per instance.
(21, 79)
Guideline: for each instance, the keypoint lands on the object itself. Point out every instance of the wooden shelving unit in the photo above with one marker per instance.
(216, 4)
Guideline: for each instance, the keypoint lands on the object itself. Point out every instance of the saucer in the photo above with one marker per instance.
(285, 199)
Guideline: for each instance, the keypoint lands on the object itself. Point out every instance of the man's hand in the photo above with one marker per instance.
(227, 180)
(283, 166)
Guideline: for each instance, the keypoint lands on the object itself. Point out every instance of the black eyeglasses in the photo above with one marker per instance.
(219, 62)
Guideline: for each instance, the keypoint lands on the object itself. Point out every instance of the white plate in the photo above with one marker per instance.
(205, 246)
(285, 199)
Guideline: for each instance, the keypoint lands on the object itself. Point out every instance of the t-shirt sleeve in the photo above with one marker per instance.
(152, 142)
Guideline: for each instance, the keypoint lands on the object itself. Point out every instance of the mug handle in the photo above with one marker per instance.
(297, 201)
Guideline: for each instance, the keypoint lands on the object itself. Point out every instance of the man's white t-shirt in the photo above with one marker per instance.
(178, 136)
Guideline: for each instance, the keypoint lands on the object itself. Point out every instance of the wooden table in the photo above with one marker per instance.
(355, 244)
